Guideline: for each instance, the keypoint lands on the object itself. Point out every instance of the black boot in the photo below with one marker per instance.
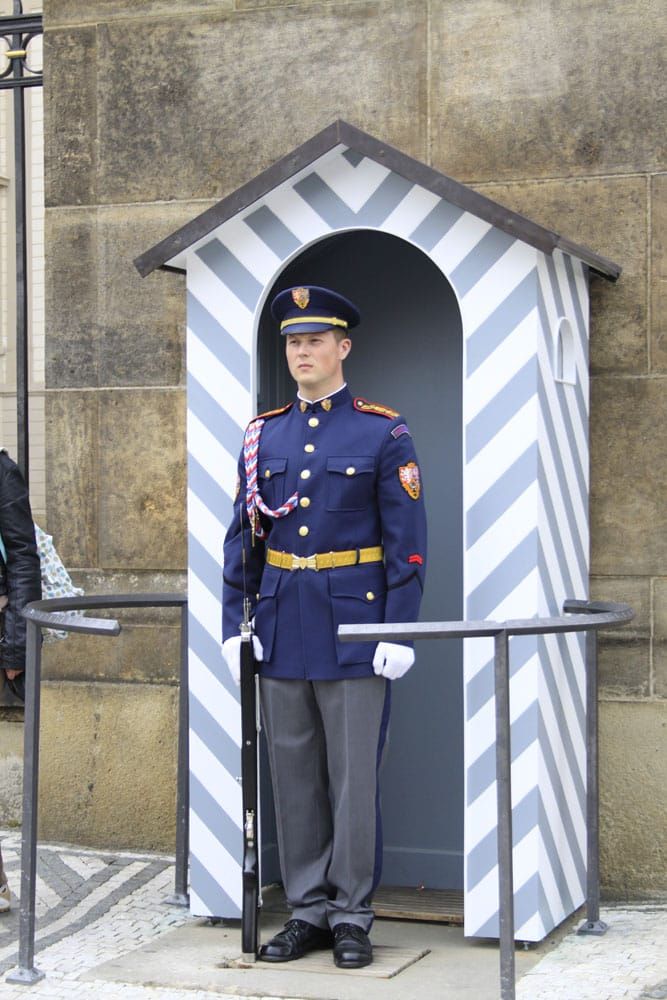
(352, 947)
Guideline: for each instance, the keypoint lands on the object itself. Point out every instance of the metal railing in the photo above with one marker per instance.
(58, 614)
(580, 616)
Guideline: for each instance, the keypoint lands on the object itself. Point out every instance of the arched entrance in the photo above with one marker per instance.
(407, 354)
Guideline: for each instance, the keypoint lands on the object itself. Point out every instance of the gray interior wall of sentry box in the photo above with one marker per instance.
(407, 354)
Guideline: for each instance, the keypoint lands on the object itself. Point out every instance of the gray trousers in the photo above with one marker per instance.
(325, 741)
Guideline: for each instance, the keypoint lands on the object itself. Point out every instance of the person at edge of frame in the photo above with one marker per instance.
(328, 528)
(20, 583)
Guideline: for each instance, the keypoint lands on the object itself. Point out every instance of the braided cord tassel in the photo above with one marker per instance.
(254, 502)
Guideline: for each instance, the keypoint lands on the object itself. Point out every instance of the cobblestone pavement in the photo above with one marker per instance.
(94, 906)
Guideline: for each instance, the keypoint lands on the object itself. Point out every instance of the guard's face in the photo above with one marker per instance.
(316, 361)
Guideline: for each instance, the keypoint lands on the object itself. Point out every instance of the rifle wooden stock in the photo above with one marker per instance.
(251, 887)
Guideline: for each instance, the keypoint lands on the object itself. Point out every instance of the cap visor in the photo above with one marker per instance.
(310, 328)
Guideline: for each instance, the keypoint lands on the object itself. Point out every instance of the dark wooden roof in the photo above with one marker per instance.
(341, 132)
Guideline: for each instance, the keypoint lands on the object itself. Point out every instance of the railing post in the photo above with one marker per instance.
(592, 923)
(181, 896)
(504, 797)
(26, 973)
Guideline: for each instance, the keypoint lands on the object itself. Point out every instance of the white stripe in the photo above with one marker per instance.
(207, 529)
(463, 237)
(571, 313)
(533, 929)
(86, 866)
(353, 185)
(482, 814)
(497, 284)
(45, 897)
(220, 301)
(205, 606)
(210, 772)
(521, 602)
(499, 540)
(218, 381)
(220, 863)
(297, 215)
(211, 455)
(572, 543)
(410, 212)
(488, 465)
(206, 687)
(549, 883)
(251, 251)
(553, 315)
(495, 372)
(481, 728)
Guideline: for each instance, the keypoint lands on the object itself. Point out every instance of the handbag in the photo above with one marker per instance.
(56, 581)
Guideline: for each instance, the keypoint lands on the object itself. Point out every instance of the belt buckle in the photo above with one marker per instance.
(304, 562)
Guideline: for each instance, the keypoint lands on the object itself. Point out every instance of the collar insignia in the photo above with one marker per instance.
(300, 297)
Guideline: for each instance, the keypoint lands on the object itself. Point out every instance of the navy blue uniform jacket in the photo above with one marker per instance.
(351, 497)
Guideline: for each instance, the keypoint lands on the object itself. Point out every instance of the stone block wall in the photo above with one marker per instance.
(156, 110)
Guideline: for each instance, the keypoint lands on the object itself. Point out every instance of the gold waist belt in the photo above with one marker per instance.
(324, 560)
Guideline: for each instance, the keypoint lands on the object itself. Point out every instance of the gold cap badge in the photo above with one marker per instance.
(301, 297)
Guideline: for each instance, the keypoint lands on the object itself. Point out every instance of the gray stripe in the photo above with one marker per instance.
(482, 773)
(563, 407)
(232, 272)
(214, 817)
(559, 713)
(204, 566)
(213, 416)
(437, 224)
(384, 200)
(220, 343)
(555, 285)
(526, 905)
(568, 665)
(213, 896)
(556, 865)
(501, 495)
(213, 736)
(505, 317)
(207, 490)
(208, 651)
(556, 537)
(504, 578)
(484, 856)
(477, 262)
(499, 410)
(578, 307)
(353, 157)
(562, 803)
(546, 916)
(65, 882)
(272, 231)
(565, 485)
(481, 688)
(325, 202)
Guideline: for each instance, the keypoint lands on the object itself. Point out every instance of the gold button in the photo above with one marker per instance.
(267, 474)
(350, 471)
(305, 474)
(370, 596)
(313, 422)
(304, 502)
(303, 530)
(309, 448)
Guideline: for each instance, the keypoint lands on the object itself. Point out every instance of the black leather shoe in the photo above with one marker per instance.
(352, 947)
(296, 939)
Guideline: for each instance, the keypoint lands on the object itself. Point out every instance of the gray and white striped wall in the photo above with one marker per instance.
(525, 484)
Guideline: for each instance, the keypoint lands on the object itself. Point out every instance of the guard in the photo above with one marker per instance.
(328, 528)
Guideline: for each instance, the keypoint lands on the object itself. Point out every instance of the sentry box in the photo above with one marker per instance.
(475, 327)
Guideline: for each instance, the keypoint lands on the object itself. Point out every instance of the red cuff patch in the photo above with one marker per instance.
(416, 558)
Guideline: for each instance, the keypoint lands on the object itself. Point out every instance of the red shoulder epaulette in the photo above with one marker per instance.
(364, 406)
(274, 413)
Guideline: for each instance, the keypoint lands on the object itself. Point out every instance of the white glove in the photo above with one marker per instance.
(392, 660)
(231, 650)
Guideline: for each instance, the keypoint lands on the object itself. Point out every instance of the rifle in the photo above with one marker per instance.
(249, 771)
